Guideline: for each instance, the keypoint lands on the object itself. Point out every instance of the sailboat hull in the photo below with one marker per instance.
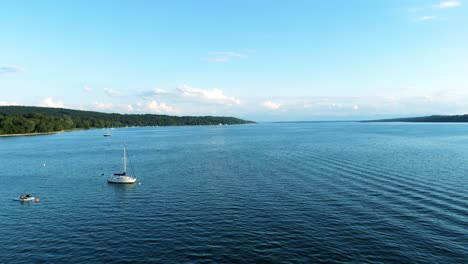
(121, 179)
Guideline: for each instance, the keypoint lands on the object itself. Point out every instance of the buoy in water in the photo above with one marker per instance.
(36, 200)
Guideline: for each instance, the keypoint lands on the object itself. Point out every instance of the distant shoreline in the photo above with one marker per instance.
(19, 120)
(31, 134)
(93, 128)
(426, 119)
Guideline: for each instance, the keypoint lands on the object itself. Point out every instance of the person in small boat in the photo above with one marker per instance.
(22, 196)
(27, 195)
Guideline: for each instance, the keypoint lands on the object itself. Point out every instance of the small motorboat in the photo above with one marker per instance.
(27, 198)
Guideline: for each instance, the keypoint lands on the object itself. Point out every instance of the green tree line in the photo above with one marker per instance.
(28, 119)
(428, 119)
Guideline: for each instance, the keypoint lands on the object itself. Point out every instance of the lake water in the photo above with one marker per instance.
(266, 193)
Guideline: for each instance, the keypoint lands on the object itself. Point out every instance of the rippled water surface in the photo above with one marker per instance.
(266, 193)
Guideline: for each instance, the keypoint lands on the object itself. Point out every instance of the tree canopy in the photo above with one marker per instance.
(30, 119)
(428, 119)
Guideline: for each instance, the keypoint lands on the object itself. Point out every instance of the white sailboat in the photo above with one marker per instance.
(122, 177)
(107, 134)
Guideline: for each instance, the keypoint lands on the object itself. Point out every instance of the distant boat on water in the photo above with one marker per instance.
(107, 134)
(122, 177)
(27, 198)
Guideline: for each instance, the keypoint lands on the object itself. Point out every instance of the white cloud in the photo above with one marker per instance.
(49, 102)
(5, 103)
(230, 54)
(215, 95)
(103, 106)
(155, 92)
(425, 18)
(225, 56)
(10, 69)
(188, 94)
(87, 89)
(160, 91)
(450, 101)
(115, 108)
(271, 105)
(112, 93)
(448, 4)
(308, 104)
(336, 105)
(217, 59)
(162, 108)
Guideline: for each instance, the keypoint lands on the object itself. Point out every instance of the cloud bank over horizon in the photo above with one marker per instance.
(185, 100)
(10, 69)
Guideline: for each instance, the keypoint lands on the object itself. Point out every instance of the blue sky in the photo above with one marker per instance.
(260, 60)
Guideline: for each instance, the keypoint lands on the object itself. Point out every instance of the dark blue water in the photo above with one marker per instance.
(267, 193)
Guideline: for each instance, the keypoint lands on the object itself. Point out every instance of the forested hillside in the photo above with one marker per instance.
(29, 119)
(428, 119)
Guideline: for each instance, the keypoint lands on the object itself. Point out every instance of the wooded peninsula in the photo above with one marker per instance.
(31, 120)
(428, 119)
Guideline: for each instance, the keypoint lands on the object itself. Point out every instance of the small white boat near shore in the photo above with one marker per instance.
(107, 134)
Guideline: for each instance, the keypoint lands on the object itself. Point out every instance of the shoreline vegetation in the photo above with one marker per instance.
(427, 119)
(33, 134)
(32, 121)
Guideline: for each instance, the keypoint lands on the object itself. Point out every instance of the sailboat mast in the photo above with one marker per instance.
(124, 161)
